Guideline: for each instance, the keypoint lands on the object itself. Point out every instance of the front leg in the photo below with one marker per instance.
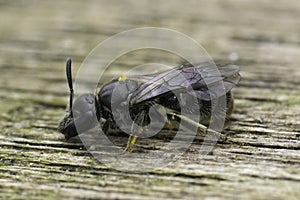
(107, 125)
(137, 128)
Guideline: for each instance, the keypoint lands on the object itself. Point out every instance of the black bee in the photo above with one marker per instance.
(127, 101)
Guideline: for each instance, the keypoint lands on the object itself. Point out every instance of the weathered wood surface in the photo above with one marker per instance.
(262, 163)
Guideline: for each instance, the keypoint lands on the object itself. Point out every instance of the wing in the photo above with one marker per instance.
(204, 81)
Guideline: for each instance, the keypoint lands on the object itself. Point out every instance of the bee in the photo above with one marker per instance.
(129, 99)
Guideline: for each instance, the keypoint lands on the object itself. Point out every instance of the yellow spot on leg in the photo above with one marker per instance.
(130, 143)
(169, 125)
(133, 141)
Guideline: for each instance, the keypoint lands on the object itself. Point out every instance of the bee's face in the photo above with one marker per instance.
(67, 126)
(82, 117)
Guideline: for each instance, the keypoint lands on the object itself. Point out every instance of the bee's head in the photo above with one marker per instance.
(81, 115)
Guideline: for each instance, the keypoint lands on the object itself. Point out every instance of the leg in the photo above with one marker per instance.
(136, 129)
(212, 133)
(130, 143)
(107, 125)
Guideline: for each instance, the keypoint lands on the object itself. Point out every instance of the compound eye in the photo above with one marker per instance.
(76, 112)
(89, 99)
(83, 104)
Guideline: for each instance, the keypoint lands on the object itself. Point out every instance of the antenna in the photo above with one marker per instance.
(69, 78)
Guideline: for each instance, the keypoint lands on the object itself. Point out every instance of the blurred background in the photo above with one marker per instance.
(37, 37)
